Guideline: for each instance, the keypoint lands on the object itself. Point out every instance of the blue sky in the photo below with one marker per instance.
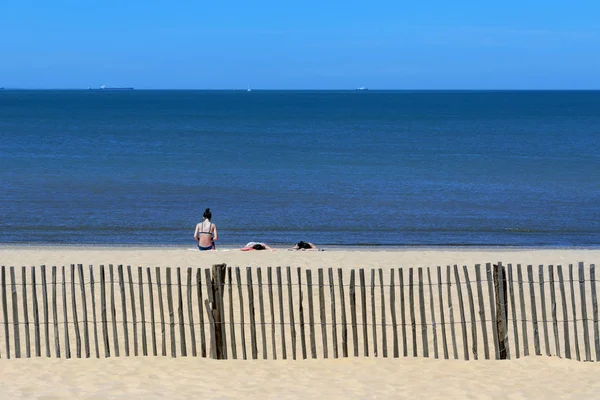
(435, 44)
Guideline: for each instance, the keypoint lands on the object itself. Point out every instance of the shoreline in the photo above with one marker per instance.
(323, 247)
(343, 257)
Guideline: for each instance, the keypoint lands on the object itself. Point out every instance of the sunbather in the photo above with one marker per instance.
(256, 246)
(304, 246)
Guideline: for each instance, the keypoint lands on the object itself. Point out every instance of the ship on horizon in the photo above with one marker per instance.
(111, 88)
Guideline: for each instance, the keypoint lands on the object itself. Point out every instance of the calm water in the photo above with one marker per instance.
(386, 168)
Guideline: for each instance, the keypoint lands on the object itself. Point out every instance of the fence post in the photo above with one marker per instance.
(500, 291)
(218, 277)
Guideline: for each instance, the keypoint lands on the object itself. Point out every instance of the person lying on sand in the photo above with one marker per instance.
(256, 246)
(304, 246)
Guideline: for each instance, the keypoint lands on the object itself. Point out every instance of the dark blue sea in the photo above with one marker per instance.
(330, 167)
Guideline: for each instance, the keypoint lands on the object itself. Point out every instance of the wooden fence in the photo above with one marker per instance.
(479, 312)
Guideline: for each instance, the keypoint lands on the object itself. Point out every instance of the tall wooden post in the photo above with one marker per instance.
(500, 291)
(217, 308)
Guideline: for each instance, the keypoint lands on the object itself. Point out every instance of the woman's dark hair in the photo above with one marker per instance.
(303, 245)
(207, 214)
(258, 247)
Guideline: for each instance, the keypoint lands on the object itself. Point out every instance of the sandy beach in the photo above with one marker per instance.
(352, 378)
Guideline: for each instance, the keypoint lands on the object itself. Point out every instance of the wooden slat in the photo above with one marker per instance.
(594, 311)
(301, 313)
(586, 333)
(45, 308)
(152, 315)
(574, 304)
(143, 311)
(66, 319)
(54, 314)
(451, 312)
(322, 313)
(472, 313)
(272, 310)
(490, 281)
(523, 312)
(393, 312)
(171, 312)
(432, 309)
(36, 315)
(503, 312)
(511, 289)
(133, 310)
(373, 314)
(483, 322)
(253, 345)
(402, 312)
(15, 311)
(93, 296)
(262, 313)
(536, 336)
(113, 311)
(124, 308)
(333, 316)
(463, 318)
(5, 313)
(25, 312)
(200, 300)
(242, 319)
(442, 320)
(553, 308)
(422, 311)
(565, 315)
(281, 319)
(219, 271)
(543, 304)
(86, 333)
(288, 271)
(311, 317)
(383, 318)
(363, 303)
(190, 313)
(182, 343)
(413, 323)
(343, 310)
(231, 315)
(352, 293)
(209, 303)
(75, 318)
(103, 313)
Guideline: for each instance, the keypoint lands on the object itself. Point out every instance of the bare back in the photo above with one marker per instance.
(205, 233)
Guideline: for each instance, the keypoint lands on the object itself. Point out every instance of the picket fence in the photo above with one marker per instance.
(204, 312)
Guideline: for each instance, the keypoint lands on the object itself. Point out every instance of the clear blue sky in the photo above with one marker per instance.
(381, 44)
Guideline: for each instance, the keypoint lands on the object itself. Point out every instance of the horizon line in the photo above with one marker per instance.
(308, 90)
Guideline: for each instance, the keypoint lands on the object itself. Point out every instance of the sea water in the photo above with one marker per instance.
(329, 167)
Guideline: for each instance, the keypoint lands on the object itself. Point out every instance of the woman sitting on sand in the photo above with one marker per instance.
(206, 232)
(256, 246)
(304, 246)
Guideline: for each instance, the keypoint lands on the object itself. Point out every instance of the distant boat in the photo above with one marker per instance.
(362, 88)
(111, 88)
(248, 90)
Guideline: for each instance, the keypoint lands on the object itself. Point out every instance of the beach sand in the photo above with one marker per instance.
(164, 378)
(352, 378)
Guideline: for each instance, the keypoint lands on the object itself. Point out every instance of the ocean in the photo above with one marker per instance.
(376, 168)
